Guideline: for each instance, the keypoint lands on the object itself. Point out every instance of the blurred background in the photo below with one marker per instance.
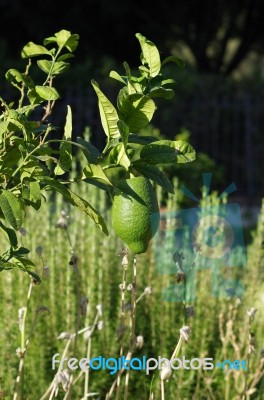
(219, 94)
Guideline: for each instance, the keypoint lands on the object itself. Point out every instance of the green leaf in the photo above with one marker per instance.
(154, 173)
(108, 113)
(167, 94)
(150, 55)
(96, 172)
(98, 184)
(67, 39)
(10, 158)
(167, 152)
(92, 154)
(45, 65)
(32, 50)
(64, 39)
(65, 56)
(3, 127)
(10, 234)
(137, 111)
(6, 265)
(180, 63)
(20, 252)
(53, 69)
(34, 193)
(77, 201)
(27, 266)
(47, 93)
(115, 75)
(168, 82)
(12, 209)
(118, 156)
(14, 77)
(89, 210)
(124, 131)
(34, 98)
(65, 160)
(59, 67)
(141, 139)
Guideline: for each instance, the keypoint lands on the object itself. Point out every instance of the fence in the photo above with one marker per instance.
(229, 128)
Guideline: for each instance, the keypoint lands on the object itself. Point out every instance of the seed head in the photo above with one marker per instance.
(251, 312)
(185, 332)
(19, 352)
(23, 231)
(100, 325)
(99, 310)
(139, 342)
(129, 287)
(148, 290)
(62, 222)
(165, 372)
(39, 250)
(43, 309)
(190, 311)
(122, 287)
(87, 334)
(64, 335)
(62, 377)
(45, 273)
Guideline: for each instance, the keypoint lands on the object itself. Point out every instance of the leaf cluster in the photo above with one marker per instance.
(29, 164)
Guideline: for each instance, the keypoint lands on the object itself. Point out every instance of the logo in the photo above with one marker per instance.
(206, 237)
(144, 364)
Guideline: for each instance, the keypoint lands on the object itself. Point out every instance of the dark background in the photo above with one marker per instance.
(219, 96)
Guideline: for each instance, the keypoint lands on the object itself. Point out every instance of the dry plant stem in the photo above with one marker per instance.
(121, 353)
(177, 349)
(50, 104)
(244, 397)
(248, 361)
(52, 393)
(52, 387)
(120, 373)
(132, 335)
(23, 345)
(126, 385)
(74, 261)
(20, 103)
(140, 297)
(162, 389)
(133, 320)
(134, 304)
(88, 356)
(75, 266)
(174, 355)
(86, 381)
(65, 351)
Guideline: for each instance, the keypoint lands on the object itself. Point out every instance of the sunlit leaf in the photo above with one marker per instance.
(32, 50)
(108, 113)
(137, 111)
(150, 55)
(11, 208)
(167, 152)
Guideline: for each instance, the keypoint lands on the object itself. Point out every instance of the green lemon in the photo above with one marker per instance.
(135, 213)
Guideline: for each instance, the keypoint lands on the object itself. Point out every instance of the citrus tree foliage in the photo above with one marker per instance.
(29, 164)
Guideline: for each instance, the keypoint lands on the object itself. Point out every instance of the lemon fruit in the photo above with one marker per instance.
(135, 213)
